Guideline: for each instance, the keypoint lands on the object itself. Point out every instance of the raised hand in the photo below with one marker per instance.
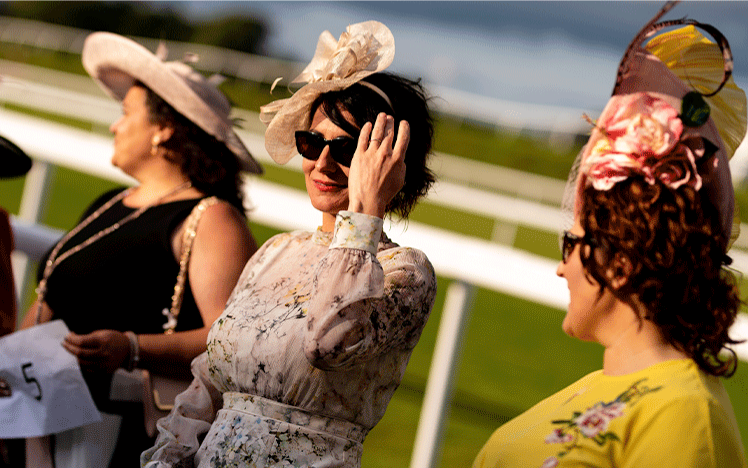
(377, 170)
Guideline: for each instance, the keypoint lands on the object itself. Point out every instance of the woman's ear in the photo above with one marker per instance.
(164, 133)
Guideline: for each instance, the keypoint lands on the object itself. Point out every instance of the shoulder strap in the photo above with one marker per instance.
(188, 237)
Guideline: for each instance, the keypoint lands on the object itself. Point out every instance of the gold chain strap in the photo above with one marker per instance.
(188, 238)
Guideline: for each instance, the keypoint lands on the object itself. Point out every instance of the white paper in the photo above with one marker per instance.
(49, 394)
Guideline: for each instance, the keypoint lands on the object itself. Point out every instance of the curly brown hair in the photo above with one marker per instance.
(673, 242)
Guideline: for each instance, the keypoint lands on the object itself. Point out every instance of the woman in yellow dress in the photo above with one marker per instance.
(653, 209)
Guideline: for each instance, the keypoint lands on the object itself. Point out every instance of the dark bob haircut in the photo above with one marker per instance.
(208, 163)
(673, 242)
(409, 103)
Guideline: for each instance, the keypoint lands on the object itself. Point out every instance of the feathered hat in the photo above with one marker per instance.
(675, 115)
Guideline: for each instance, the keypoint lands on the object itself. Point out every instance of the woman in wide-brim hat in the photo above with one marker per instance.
(653, 214)
(316, 336)
(113, 278)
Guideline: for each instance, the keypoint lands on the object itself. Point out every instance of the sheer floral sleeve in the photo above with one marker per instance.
(366, 301)
(181, 432)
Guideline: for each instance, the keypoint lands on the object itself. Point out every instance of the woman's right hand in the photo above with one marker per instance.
(101, 350)
(377, 170)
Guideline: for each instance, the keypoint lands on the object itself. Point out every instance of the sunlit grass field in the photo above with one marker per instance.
(514, 353)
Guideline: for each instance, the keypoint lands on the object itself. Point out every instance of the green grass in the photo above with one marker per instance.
(488, 144)
(62, 61)
(453, 220)
(69, 121)
(538, 242)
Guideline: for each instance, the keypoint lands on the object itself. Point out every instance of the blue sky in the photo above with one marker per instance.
(555, 53)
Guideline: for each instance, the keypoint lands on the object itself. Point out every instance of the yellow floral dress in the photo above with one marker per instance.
(669, 415)
(312, 344)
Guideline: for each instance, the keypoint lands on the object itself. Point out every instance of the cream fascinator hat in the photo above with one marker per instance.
(115, 62)
(675, 116)
(363, 49)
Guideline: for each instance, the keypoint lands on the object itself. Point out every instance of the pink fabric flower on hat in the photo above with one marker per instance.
(609, 168)
(643, 125)
(676, 169)
(641, 134)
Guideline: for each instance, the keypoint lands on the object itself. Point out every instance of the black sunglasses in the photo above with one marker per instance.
(568, 244)
(310, 146)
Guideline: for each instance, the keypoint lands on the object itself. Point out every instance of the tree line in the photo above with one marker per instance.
(238, 32)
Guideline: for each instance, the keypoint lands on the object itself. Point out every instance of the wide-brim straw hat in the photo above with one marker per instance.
(116, 62)
(363, 49)
(13, 161)
(670, 67)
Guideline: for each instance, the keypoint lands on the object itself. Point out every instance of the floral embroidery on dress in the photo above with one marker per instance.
(550, 462)
(593, 423)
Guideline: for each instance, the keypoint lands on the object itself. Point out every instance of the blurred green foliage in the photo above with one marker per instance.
(145, 19)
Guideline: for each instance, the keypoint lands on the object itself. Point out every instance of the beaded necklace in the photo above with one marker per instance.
(54, 260)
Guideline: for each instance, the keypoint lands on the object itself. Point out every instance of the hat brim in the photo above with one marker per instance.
(116, 62)
(15, 162)
(280, 140)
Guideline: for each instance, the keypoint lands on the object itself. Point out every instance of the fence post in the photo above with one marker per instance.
(438, 396)
(33, 207)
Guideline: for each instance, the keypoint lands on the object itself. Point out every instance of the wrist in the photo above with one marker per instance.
(371, 209)
(134, 359)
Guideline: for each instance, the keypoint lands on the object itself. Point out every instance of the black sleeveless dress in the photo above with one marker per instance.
(122, 282)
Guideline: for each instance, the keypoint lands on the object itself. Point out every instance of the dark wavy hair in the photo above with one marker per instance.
(409, 103)
(673, 242)
(208, 163)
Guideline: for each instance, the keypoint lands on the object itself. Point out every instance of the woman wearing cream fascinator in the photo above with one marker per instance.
(651, 207)
(316, 335)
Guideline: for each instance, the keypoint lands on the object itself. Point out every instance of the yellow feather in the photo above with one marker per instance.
(698, 61)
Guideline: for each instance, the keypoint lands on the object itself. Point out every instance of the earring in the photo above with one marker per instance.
(154, 145)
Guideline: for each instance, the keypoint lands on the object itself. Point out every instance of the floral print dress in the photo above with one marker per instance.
(312, 344)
